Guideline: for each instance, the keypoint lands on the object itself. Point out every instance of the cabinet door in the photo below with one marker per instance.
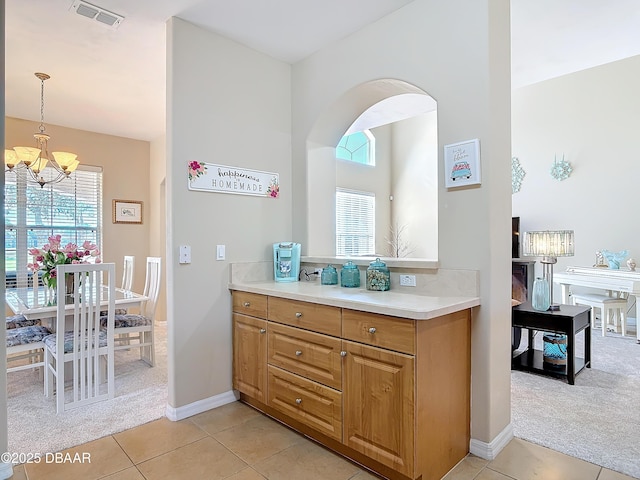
(378, 408)
(250, 356)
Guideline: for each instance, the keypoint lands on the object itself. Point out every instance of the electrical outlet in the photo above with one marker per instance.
(317, 271)
(408, 280)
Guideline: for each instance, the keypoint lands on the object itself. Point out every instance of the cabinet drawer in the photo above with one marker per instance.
(309, 402)
(310, 316)
(379, 330)
(309, 354)
(252, 304)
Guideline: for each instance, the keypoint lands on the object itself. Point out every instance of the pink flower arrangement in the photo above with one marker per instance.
(196, 169)
(53, 254)
(274, 189)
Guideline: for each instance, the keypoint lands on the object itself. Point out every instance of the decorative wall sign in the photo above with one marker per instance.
(462, 163)
(127, 211)
(517, 174)
(209, 177)
(560, 170)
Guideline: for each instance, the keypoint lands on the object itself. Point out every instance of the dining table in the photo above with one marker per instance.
(37, 304)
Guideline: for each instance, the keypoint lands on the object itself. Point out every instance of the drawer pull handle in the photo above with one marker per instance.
(298, 314)
(246, 304)
(298, 401)
(298, 353)
(343, 353)
(263, 330)
(372, 330)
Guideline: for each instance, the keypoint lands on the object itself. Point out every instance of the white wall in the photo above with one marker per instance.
(158, 216)
(592, 118)
(230, 105)
(457, 52)
(415, 184)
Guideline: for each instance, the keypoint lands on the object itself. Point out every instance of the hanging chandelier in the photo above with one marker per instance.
(35, 159)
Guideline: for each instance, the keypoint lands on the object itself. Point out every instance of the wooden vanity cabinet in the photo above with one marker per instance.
(392, 394)
(378, 408)
(250, 345)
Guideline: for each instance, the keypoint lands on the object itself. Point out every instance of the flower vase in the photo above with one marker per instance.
(69, 284)
(541, 296)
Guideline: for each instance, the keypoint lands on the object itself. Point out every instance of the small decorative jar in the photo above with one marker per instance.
(540, 297)
(329, 275)
(378, 277)
(631, 263)
(349, 275)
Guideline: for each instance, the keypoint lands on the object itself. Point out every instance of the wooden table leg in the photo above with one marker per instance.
(571, 351)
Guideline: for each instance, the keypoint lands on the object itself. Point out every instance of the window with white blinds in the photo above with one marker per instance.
(355, 223)
(71, 208)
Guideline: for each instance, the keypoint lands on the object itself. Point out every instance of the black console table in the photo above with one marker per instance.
(569, 320)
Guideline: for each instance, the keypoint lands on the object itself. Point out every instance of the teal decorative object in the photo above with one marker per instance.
(554, 349)
(560, 170)
(329, 275)
(350, 275)
(378, 277)
(517, 174)
(614, 258)
(541, 296)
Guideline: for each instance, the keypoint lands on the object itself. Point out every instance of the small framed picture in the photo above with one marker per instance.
(462, 163)
(127, 211)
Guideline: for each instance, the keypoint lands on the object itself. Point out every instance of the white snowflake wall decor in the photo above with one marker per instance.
(561, 170)
(517, 174)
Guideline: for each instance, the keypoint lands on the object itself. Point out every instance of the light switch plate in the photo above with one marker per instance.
(220, 252)
(185, 254)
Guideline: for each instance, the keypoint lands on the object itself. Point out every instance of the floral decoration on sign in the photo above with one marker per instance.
(274, 189)
(196, 169)
(517, 174)
(53, 254)
(561, 170)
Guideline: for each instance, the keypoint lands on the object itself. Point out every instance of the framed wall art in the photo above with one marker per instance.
(462, 163)
(127, 211)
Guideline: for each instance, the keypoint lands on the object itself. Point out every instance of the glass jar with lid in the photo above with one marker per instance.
(350, 275)
(329, 275)
(378, 277)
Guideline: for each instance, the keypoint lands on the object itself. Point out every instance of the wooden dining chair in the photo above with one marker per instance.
(132, 327)
(80, 339)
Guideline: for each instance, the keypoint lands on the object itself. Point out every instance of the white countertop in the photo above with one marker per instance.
(390, 302)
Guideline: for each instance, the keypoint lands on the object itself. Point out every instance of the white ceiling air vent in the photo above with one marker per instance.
(98, 14)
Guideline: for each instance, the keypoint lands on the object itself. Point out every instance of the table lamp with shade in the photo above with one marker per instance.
(549, 245)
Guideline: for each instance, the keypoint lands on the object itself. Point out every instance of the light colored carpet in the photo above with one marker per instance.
(598, 418)
(140, 397)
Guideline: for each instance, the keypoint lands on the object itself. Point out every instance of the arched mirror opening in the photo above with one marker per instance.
(373, 191)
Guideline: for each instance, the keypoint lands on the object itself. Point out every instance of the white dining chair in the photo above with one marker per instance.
(127, 274)
(19, 320)
(25, 347)
(127, 279)
(132, 327)
(80, 340)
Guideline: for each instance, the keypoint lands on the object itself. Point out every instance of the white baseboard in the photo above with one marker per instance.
(490, 450)
(175, 414)
(6, 470)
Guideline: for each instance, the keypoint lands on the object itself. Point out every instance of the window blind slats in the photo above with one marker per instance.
(355, 223)
(71, 208)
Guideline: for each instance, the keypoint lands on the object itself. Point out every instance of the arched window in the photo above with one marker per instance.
(358, 147)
